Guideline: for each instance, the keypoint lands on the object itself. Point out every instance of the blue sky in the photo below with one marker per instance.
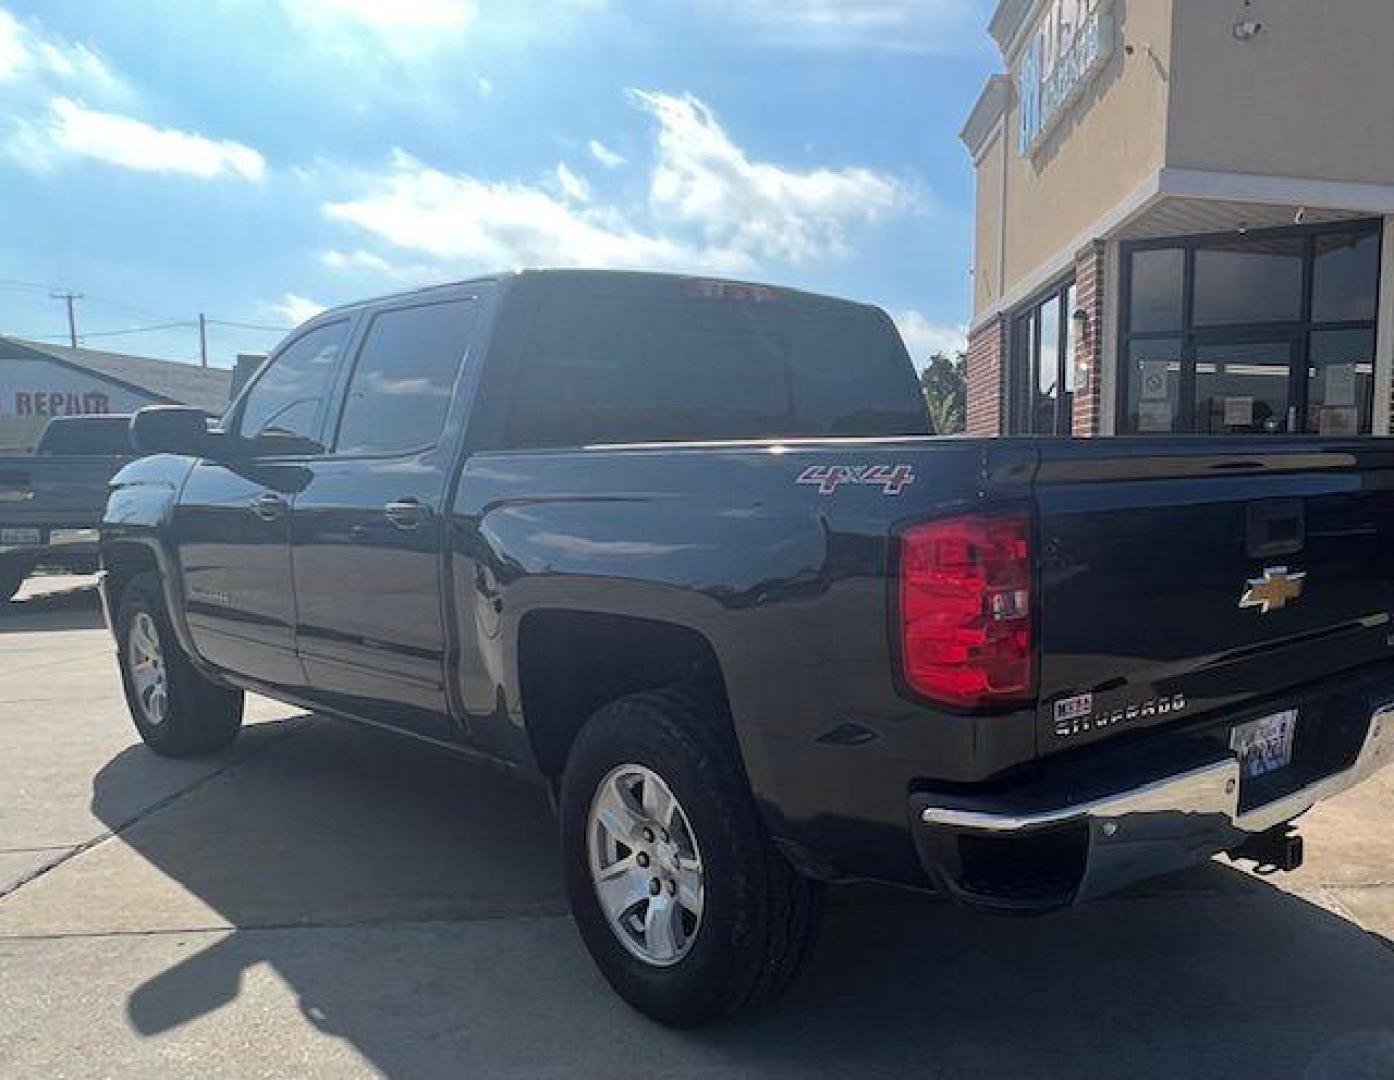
(258, 159)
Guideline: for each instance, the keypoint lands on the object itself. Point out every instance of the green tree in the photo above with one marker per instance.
(945, 392)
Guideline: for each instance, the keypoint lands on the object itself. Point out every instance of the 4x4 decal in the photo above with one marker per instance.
(891, 479)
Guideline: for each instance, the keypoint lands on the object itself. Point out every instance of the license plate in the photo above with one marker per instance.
(21, 536)
(1265, 744)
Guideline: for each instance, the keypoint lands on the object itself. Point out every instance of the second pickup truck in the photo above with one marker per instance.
(683, 550)
(51, 500)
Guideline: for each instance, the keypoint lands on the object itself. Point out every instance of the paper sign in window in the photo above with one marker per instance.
(1340, 384)
(1339, 420)
(1154, 381)
(1154, 416)
(1239, 412)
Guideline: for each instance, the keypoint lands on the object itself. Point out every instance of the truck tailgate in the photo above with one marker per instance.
(54, 491)
(1177, 579)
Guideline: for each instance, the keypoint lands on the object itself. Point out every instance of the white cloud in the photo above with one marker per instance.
(387, 18)
(471, 224)
(605, 155)
(371, 266)
(13, 54)
(931, 26)
(923, 338)
(32, 58)
(407, 29)
(356, 260)
(572, 186)
(485, 86)
(71, 129)
(296, 309)
(703, 178)
(709, 206)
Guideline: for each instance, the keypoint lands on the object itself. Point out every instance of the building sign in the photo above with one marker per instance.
(1070, 46)
(60, 403)
(38, 389)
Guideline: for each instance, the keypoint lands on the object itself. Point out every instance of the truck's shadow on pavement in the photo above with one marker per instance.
(75, 607)
(412, 902)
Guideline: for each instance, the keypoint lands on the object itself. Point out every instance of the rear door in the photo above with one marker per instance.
(232, 522)
(1186, 576)
(368, 526)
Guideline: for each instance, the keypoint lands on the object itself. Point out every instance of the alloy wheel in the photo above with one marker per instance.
(645, 865)
(148, 673)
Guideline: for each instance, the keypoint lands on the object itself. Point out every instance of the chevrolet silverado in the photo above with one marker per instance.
(684, 550)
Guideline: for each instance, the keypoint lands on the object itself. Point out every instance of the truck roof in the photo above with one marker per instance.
(579, 273)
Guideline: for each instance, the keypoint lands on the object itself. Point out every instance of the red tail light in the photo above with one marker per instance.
(965, 609)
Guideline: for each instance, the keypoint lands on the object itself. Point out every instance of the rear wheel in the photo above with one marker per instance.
(685, 905)
(176, 710)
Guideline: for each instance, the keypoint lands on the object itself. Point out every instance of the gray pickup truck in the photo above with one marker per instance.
(51, 500)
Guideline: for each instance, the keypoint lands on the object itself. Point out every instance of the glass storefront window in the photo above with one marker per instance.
(1047, 399)
(1345, 275)
(1242, 388)
(1071, 345)
(1340, 381)
(1154, 386)
(1249, 282)
(1041, 372)
(1280, 335)
(1157, 290)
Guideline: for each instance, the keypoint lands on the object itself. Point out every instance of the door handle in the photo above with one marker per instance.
(406, 513)
(269, 506)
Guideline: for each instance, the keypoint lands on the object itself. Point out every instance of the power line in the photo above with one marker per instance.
(251, 326)
(129, 309)
(28, 286)
(136, 330)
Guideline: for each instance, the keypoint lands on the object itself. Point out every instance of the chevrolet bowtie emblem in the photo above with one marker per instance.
(1273, 590)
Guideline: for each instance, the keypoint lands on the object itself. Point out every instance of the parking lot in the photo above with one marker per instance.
(330, 901)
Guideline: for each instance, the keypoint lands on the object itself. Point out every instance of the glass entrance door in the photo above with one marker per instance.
(1248, 387)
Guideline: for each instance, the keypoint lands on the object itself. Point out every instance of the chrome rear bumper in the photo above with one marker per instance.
(1211, 791)
(1075, 851)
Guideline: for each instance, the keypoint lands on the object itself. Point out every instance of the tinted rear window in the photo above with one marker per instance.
(621, 366)
(405, 375)
(109, 435)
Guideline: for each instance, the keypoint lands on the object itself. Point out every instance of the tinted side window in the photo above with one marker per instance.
(615, 367)
(404, 378)
(88, 435)
(288, 396)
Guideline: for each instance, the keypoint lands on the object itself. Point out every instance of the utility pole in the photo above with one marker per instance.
(69, 297)
(203, 339)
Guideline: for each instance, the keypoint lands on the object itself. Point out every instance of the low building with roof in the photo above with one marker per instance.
(39, 381)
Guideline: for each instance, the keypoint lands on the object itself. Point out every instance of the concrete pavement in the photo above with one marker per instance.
(329, 901)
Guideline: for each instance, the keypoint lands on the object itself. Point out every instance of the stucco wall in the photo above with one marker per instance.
(1310, 95)
(1110, 141)
(987, 226)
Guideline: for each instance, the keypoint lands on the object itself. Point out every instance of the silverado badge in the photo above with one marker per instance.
(1272, 591)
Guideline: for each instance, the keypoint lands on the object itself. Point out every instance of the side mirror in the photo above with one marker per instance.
(171, 429)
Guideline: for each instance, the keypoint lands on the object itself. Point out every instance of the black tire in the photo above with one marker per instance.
(760, 918)
(199, 716)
